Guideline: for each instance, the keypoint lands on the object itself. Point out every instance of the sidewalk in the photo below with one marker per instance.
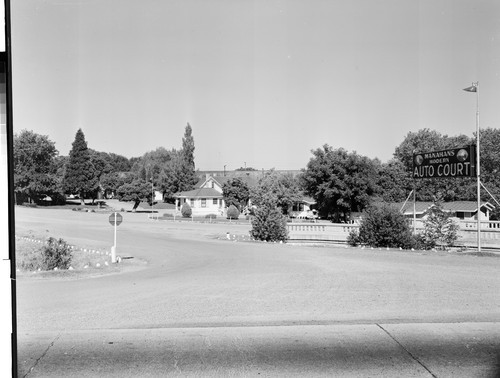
(365, 350)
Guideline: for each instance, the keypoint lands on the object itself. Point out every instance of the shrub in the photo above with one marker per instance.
(28, 256)
(383, 226)
(233, 212)
(211, 216)
(56, 254)
(186, 210)
(439, 229)
(269, 224)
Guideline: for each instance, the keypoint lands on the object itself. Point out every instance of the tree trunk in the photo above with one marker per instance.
(136, 205)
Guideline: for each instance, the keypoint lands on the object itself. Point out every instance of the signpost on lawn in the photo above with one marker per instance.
(115, 219)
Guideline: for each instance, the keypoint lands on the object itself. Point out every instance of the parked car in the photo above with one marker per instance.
(309, 214)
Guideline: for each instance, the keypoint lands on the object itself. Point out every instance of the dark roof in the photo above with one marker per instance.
(200, 192)
(422, 207)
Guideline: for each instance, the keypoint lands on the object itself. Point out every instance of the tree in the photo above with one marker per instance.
(269, 224)
(490, 162)
(233, 212)
(382, 226)
(281, 189)
(119, 163)
(236, 192)
(151, 163)
(439, 229)
(188, 147)
(245, 169)
(80, 176)
(34, 166)
(339, 181)
(393, 182)
(136, 191)
(110, 182)
(426, 140)
(176, 176)
(100, 162)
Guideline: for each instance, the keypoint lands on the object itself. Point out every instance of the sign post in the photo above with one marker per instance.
(115, 220)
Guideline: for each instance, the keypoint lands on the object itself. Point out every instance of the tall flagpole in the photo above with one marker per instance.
(475, 89)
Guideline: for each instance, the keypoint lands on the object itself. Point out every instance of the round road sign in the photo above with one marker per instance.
(119, 219)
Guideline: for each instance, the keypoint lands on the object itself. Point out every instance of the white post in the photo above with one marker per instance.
(478, 164)
(414, 209)
(113, 249)
(475, 89)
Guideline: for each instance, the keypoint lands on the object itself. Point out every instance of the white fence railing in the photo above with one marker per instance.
(338, 232)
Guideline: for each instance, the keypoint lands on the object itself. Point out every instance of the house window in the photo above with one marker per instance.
(203, 202)
(213, 185)
(215, 201)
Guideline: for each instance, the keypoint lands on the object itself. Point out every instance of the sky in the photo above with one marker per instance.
(262, 83)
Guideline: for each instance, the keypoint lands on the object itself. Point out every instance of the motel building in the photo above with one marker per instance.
(461, 211)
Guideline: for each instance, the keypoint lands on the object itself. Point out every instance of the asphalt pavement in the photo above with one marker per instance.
(363, 350)
(208, 307)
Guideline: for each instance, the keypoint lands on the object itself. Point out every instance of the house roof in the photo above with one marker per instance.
(200, 193)
(460, 206)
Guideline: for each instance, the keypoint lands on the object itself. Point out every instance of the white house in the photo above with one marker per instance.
(205, 199)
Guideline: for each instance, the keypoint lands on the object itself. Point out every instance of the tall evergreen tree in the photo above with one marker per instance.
(80, 176)
(188, 147)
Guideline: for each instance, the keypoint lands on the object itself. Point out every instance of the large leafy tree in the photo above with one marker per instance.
(393, 181)
(426, 140)
(110, 182)
(34, 165)
(339, 181)
(171, 171)
(176, 176)
(118, 163)
(236, 192)
(278, 188)
(151, 163)
(137, 190)
(490, 163)
(80, 176)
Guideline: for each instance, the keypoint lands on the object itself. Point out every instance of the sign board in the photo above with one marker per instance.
(119, 219)
(455, 162)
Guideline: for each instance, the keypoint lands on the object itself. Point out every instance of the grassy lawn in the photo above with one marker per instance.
(85, 261)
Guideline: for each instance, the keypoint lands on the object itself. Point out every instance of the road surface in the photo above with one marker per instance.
(253, 296)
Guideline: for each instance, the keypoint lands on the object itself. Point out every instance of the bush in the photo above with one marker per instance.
(439, 229)
(211, 216)
(269, 224)
(233, 212)
(383, 226)
(186, 210)
(56, 254)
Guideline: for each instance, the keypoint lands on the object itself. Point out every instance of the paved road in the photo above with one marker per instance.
(195, 283)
